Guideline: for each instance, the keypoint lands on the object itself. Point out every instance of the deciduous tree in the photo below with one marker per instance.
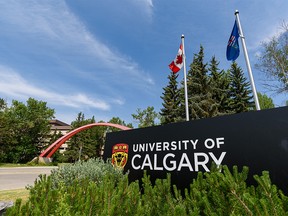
(273, 61)
(265, 101)
(25, 129)
(146, 117)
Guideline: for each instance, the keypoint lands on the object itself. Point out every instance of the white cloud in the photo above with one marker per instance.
(53, 21)
(145, 5)
(13, 85)
(119, 101)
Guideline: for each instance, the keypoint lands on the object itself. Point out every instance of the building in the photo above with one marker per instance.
(60, 127)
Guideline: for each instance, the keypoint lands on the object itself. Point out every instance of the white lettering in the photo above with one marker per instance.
(132, 161)
(135, 147)
(217, 161)
(184, 162)
(219, 141)
(194, 143)
(179, 145)
(174, 146)
(201, 163)
(185, 144)
(166, 146)
(151, 145)
(158, 146)
(147, 162)
(141, 147)
(155, 163)
(171, 162)
(206, 143)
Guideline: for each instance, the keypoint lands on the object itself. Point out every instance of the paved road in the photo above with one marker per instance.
(19, 177)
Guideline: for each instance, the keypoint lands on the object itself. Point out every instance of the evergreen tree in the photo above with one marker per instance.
(240, 92)
(201, 103)
(171, 101)
(82, 145)
(88, 143)
(219, 84)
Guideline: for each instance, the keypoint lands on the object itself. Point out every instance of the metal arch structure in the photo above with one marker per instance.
(57, 144)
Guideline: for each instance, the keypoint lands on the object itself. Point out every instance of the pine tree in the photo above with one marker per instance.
(219, 84)
(240, 92)
(201, 103)
(171, 101)
(82, 145)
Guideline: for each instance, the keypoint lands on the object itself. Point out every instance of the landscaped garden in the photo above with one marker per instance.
(96, 188)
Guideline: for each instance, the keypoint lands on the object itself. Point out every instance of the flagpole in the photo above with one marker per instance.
(185, 79)
(247, 60)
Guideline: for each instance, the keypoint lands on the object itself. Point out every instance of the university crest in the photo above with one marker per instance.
(119, 155)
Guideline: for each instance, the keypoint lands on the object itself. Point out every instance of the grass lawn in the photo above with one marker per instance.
(12, 195)
(11, 165)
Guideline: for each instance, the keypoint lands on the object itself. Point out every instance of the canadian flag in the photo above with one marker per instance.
(177, 63)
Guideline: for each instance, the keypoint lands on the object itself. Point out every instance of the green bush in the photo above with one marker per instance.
(92, 169)
(110, 193)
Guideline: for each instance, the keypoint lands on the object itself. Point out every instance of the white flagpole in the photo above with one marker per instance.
(185, 80)
(247, 60)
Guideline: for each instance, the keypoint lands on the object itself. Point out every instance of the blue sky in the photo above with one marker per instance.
(107, 58)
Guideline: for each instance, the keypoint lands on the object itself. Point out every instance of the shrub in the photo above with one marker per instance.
(92, 169)
(214, 193)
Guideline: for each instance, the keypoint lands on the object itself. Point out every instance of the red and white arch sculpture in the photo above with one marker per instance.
(47, 154)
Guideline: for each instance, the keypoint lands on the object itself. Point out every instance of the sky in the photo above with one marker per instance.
(107, 58)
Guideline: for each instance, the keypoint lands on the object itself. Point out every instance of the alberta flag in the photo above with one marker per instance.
(233, 50)
(177, 63)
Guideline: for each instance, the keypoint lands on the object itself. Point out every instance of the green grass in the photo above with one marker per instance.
(2, 165)
(12, 165)
(12, 195)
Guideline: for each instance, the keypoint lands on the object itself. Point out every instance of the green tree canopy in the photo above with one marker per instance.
(265, 101)
(82, 145)
(24, 128)
(88, 143)
(146, 117)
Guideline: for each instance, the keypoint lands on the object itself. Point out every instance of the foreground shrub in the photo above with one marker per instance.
(226, 193)
(214, 193)
(93, 169)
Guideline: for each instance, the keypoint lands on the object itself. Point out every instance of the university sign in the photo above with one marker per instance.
(257, 139)
(176, 155)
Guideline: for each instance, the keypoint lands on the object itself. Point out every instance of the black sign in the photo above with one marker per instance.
(257, 139)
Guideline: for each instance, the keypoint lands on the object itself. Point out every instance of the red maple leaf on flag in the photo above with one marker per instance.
(179, 59)
(177, 63)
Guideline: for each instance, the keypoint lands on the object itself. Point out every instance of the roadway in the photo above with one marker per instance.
(20, 177)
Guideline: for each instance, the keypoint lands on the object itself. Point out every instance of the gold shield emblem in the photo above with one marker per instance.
(119, 155)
